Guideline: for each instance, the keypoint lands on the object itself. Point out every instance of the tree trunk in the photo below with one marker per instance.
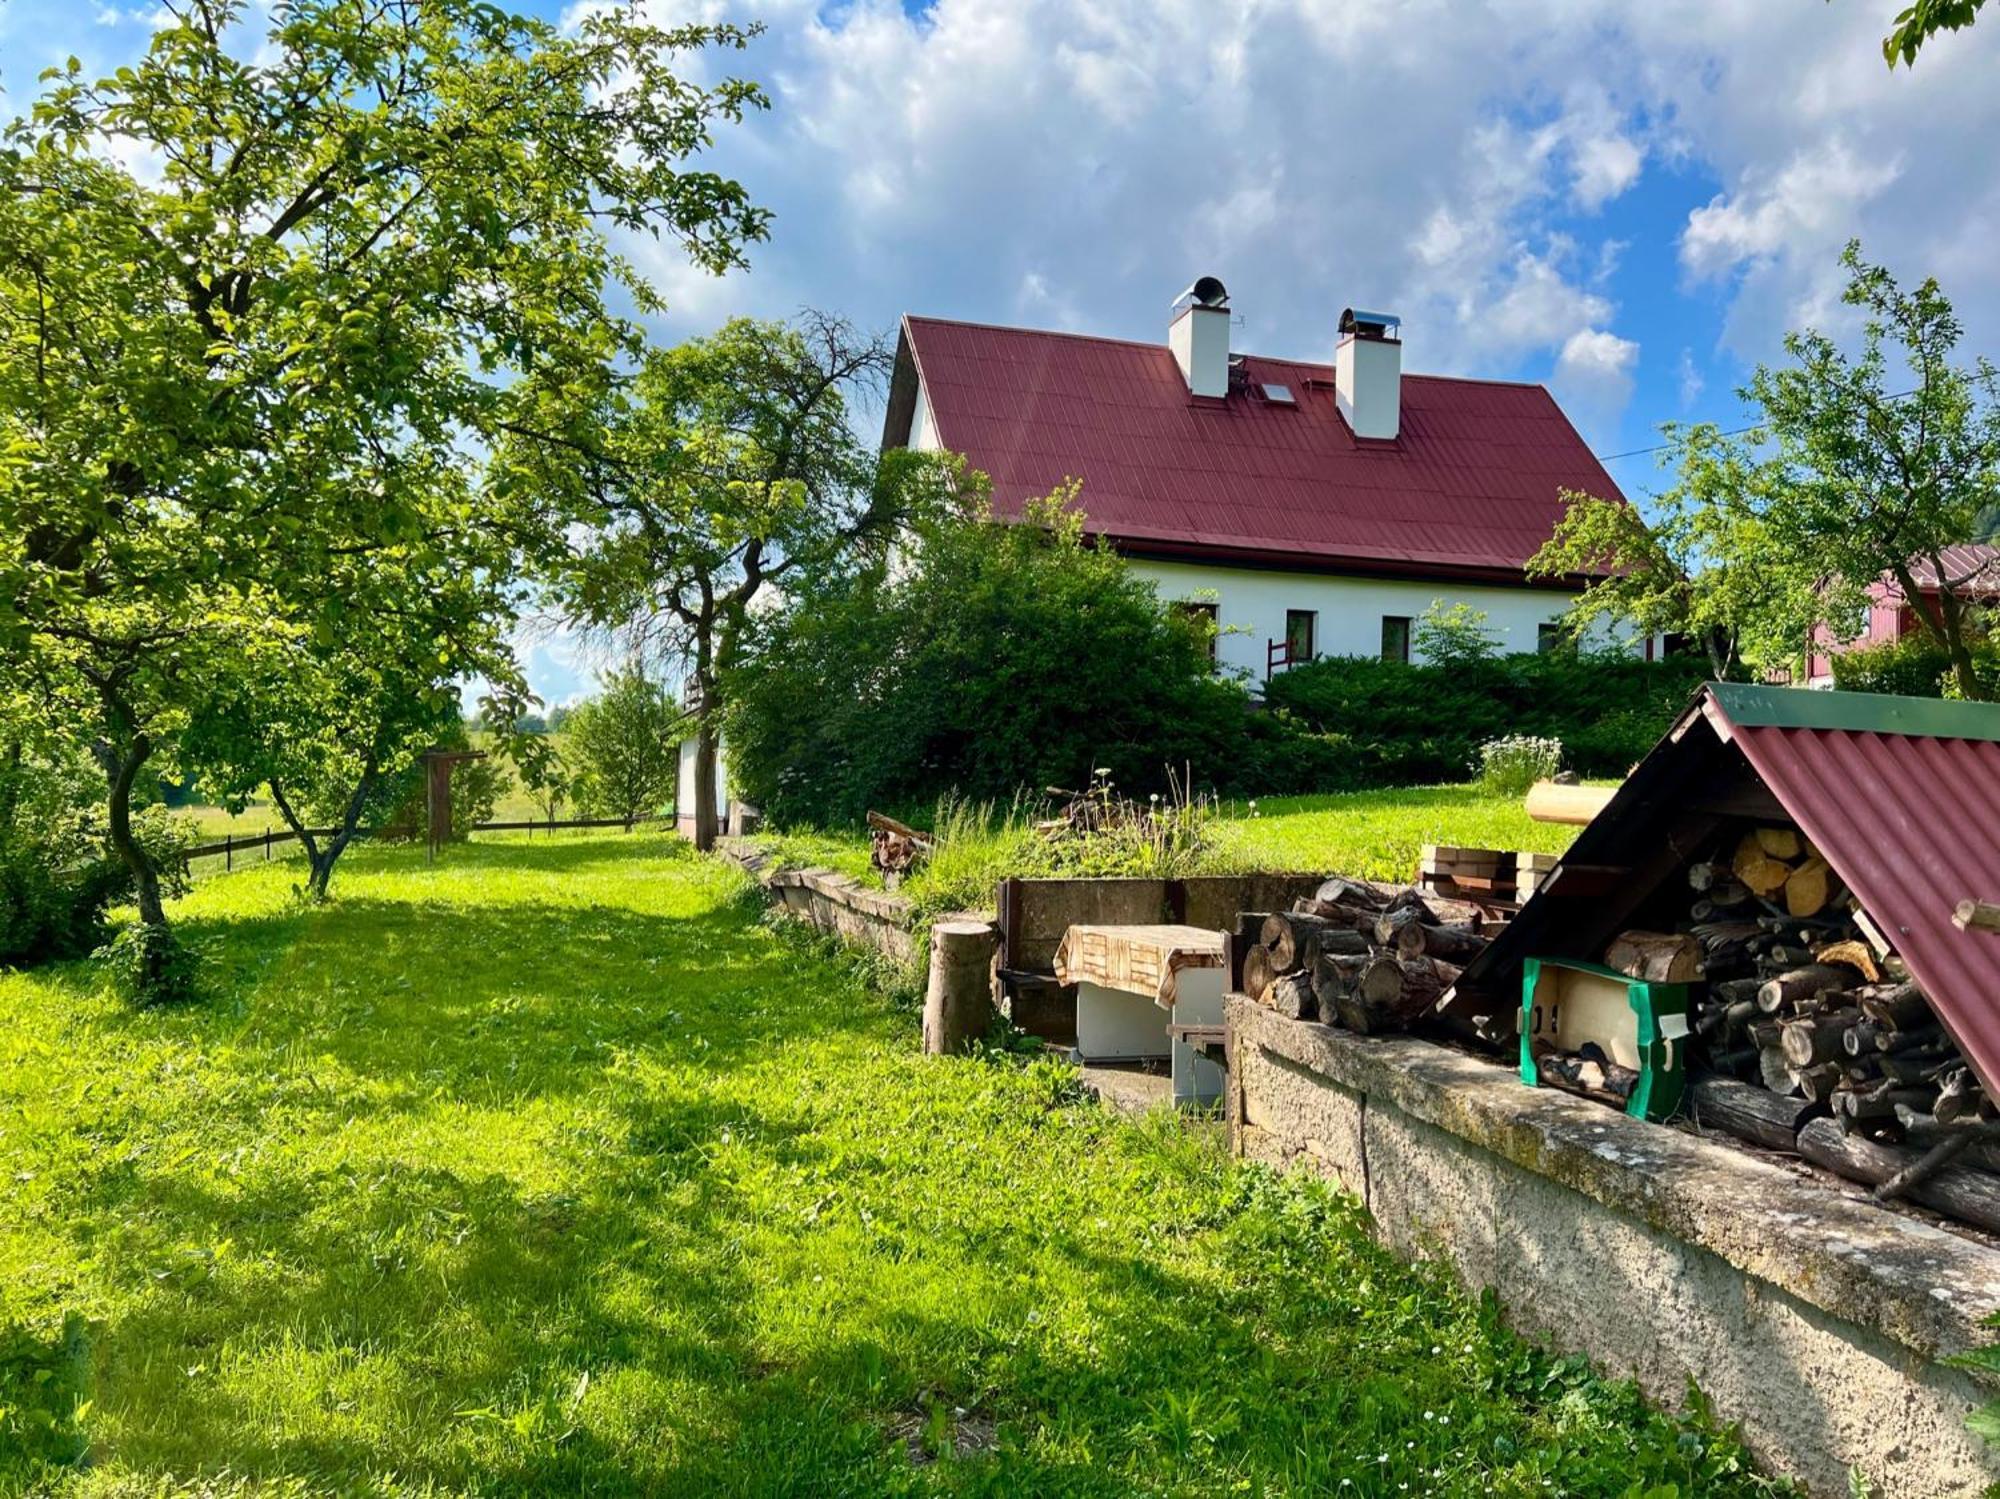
(122, 769)
(1946, 628)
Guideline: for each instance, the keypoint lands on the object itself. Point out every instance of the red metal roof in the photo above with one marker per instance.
(1472, 483)
(1911, 823)
(1973, 567)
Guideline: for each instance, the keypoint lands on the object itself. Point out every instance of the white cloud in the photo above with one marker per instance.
(1594, 375)
(1691, 380)
(1810, 201)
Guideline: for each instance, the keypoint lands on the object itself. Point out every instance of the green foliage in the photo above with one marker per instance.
(1355, 721)
(1921, 21)
(1844, 481)
(56, 878)
(625, 746)
(995, 657)
(1510, 765)
(549, 1169)
(1453, 637)
(476, 788)
(229, 392)
(1913, 666)
(149, 964)
(728, 466)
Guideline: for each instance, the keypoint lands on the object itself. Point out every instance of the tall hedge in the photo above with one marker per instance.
(1352, 721)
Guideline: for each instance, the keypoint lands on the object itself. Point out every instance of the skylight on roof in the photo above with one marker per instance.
(1281, 394)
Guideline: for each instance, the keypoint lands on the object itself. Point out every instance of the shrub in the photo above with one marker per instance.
(1349, 722)
(998, 657)
(1911, 667)
(1453, 637)
(56, 877)
(150, 965)
(1509, 766)
(475, 791)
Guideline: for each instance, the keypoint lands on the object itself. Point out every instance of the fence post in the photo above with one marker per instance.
(267, 843)
(228, 852)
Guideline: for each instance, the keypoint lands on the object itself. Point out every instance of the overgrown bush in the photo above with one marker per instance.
(150, 965)
(57, 878)
(996, 658)
(1510, 765)
(1351, 722)
(1914, 666)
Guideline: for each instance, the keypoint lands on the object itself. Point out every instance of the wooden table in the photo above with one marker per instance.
(1140, 990)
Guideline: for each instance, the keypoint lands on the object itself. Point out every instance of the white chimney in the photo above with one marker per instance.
(1368, 373)
(1199, 337)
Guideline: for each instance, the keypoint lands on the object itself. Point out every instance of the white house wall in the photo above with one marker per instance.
(1252, 604)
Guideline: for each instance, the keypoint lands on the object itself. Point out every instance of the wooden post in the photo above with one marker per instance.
(958, 1002)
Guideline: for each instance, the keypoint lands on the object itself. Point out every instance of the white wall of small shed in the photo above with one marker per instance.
(684, 798)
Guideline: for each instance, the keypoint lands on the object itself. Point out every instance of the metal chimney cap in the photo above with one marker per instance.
(1207, 291)
(1370, 324)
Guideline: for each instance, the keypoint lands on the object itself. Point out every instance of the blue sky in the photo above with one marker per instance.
(1628, 202)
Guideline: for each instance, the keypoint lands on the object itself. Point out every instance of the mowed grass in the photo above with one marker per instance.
(1375, 835)
(551, 1169)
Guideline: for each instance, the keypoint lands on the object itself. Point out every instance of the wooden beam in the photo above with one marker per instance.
(1977, 916)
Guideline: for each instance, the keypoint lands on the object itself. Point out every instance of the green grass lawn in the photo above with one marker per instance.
(552, 1169)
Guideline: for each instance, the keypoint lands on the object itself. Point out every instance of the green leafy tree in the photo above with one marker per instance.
(993, 659)
(1771, 535)
(1454, 636)
(624, 745)
(332, 720)
(372, 225)
(1921, 21)
(728, 467)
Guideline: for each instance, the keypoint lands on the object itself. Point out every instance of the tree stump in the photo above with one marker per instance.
(958, 1001)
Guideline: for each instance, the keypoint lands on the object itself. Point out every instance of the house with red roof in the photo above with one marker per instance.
(1970, 570)
(1315, 509)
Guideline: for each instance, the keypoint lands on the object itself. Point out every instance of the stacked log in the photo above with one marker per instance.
(1813, 1038)
(1373, 958)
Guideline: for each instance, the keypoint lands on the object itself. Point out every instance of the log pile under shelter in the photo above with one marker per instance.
(1797, 879)
(1371, 957)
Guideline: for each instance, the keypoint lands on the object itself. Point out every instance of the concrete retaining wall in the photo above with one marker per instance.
(1816, 1320)
(835, 903)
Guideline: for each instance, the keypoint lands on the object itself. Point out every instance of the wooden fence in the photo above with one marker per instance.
(248, 845)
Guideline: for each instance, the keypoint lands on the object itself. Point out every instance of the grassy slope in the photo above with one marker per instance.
(1368, 834)
(551, 1170)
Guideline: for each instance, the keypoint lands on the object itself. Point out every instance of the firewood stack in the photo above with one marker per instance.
(1805, 1001)
(894, 847)
(1373, 958)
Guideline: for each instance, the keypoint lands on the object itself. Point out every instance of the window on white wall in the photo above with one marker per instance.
(1395, 637)
(1301, 631)
(1552, 635)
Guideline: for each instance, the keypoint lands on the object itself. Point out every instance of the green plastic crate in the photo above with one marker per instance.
(1586, 1008)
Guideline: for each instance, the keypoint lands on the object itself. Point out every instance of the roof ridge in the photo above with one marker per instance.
(1139, 343)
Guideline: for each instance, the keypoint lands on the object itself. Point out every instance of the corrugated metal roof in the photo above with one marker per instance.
(1973, 567)
(1910, 821)
(1473, 482)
